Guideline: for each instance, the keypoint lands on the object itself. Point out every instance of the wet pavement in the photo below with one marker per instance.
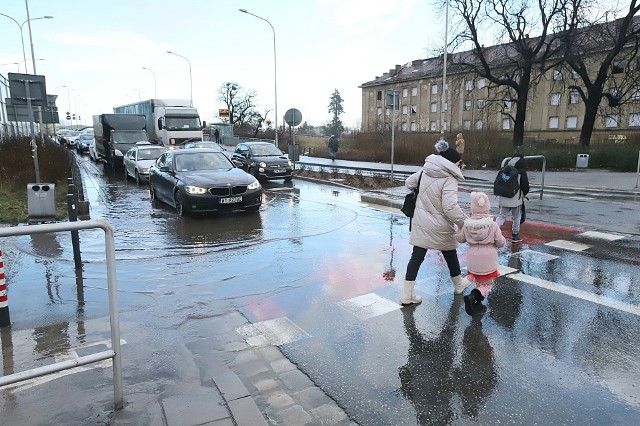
(293, 312)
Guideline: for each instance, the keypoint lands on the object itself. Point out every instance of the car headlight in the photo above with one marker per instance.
(118, 153)
(195, 190)
(290, 164)
(263, 164)
(144, 171)
(254, 185)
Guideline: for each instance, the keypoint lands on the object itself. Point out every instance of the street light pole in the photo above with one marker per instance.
(24, 55)
(444, 70)
(190, 78)
(275, 70)
(155, 93)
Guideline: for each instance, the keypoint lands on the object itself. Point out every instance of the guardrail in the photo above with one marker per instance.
(530, 157)
(114, 354)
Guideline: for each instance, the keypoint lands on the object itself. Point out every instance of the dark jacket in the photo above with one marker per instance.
(518, 199)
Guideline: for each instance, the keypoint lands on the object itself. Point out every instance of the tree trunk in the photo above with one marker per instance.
(590, 114)
(521, 105)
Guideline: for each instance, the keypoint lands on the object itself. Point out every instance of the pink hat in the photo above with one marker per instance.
(480, 204)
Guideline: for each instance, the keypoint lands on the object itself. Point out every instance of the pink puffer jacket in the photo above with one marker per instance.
(484, 237)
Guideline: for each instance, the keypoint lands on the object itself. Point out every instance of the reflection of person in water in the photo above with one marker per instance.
(429, 379)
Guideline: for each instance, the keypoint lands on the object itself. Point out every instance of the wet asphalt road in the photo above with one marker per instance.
(559, 343)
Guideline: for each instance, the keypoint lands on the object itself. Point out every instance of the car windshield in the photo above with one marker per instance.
(149, 153)
(202, 161)
(209, 145)
(183, 123)
(129, 137)
(266, 149)
(86, 137)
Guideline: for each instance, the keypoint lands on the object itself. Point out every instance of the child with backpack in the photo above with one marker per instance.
(512, 186)
(484, 238)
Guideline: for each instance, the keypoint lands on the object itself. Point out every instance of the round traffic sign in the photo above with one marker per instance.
(293, 117)
(68, 117)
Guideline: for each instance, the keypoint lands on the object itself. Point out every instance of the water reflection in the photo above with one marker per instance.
(207, 231)
(430, 379)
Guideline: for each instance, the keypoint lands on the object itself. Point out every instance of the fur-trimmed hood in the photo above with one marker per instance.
(478, 230)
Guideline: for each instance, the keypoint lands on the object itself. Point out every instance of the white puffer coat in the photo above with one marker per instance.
(437, 211)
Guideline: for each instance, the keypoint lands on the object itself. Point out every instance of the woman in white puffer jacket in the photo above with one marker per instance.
(435, 218)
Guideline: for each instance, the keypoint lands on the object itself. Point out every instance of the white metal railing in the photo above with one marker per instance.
(114, 320)
(530, 157)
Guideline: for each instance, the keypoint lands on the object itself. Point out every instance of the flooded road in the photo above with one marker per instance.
(318, 274)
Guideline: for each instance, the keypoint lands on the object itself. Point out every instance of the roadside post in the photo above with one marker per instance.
(293, 117)
(5, 320)
(392, 103)
(73, 217)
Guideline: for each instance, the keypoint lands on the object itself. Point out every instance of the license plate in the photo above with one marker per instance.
(279, 170)
(230, 200)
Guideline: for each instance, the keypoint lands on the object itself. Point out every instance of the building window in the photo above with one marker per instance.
(506, 123)
(405, 109)
(414, 126)
(379, 95)
(636, 94)
(432, 126)
(634, 120)
(405, 92)
(434, 89)
(468, 84)
(466, 124)
(404, 126)
(557, 74)
(479, 124)
(574, 97)
(480, 103)
(611, 120)
(572, 122)
(388, 113)
(414, 109)
(379, 111)
(618, 67)
(434, 107)
(481, 83)
(414, 91)
(446, 106)
(507, 104)
(467, 105)
(555, 99)
(553, 122)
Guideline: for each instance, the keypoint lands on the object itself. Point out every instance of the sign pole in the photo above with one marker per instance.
(34, 146)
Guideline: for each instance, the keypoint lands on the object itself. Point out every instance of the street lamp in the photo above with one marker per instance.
(25, 64)
(275, 72)
(24, 55)
(12, 63)
(139, 97)
(154, 81)
(190, 78)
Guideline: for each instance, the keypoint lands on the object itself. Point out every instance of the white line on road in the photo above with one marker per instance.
(577, 293)
(601, 235)
(568, 245)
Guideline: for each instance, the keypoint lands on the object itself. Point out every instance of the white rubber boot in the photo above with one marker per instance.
(460, 283)
(408, 296)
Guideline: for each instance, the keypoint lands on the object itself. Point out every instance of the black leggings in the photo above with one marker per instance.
(417, 257)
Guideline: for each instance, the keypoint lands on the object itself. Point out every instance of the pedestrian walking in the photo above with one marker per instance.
(333, 144)
(216, 135)
(435, 218)
(460, 148)
(484, 238)
(512, 206)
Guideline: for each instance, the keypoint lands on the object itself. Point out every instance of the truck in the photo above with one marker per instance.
(115, 134)
(170, 122)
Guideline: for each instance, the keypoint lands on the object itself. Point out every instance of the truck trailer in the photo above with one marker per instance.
(170, 122)
(115, 134)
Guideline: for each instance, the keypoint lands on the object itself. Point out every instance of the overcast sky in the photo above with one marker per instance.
(97, 50)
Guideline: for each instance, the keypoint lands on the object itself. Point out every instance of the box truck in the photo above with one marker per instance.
(115, 134)
(170, 122)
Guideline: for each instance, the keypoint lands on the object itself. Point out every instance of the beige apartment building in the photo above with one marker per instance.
(554, 112)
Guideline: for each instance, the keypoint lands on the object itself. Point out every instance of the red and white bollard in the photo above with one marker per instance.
(5, 321)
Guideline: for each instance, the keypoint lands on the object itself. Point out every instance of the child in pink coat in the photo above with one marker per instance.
(484, 237)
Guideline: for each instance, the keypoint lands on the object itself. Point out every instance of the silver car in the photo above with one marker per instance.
(139, 158)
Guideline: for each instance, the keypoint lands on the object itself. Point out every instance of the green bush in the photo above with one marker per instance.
(17, 169)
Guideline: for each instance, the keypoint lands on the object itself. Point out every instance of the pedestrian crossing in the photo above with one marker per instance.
(364, 307)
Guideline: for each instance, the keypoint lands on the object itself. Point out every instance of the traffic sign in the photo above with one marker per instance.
(293, 117)
(68, 117)
(223, 112)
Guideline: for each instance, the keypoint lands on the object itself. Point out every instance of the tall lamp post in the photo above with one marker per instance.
(275, 71)
(155, 95)
(444, 70)
(24, 55)
(190, 78)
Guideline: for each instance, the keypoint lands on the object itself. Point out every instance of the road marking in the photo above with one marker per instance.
(568, 245)
(276, 332)
(506, 270)
(534, 256)
(577, 293)
(368, 306)
(601, 235)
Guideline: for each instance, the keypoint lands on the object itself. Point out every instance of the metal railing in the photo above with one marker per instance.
(531, 157)
(114, 320)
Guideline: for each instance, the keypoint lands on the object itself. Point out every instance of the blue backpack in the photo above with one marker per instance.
(507, 183)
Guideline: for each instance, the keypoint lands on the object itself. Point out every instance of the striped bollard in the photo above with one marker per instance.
(5, 321)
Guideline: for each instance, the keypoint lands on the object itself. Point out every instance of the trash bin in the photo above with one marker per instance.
(41, 201)
(582, 161)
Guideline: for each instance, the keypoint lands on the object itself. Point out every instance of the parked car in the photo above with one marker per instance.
(202, 180)
(71, 138)
(92, 151)
(83, 140)
(139, 158)
(263, 160)
(204, 144)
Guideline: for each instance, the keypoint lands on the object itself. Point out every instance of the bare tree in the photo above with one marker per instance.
(240, 103)
(601, 54)
(514, 66)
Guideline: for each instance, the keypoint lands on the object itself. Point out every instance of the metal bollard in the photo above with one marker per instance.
(5, 320)
(75, 239)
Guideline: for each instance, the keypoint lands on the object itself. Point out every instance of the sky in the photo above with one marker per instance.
(92, 53)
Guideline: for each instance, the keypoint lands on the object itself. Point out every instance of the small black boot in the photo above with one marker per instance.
(477, 307)
(469, 302)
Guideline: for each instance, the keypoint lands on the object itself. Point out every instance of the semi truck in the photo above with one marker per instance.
(170, 122)
(115, 134)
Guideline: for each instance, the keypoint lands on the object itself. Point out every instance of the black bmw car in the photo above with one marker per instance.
(263, 160)
(202, 180)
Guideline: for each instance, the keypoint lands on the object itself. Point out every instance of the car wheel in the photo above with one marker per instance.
(137, 177)
(152, 192)
(180, 208)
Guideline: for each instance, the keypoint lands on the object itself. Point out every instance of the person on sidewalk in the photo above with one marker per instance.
(460, 148)
(484, 238)
(513, 206)
(435, 218)
(333, 144)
